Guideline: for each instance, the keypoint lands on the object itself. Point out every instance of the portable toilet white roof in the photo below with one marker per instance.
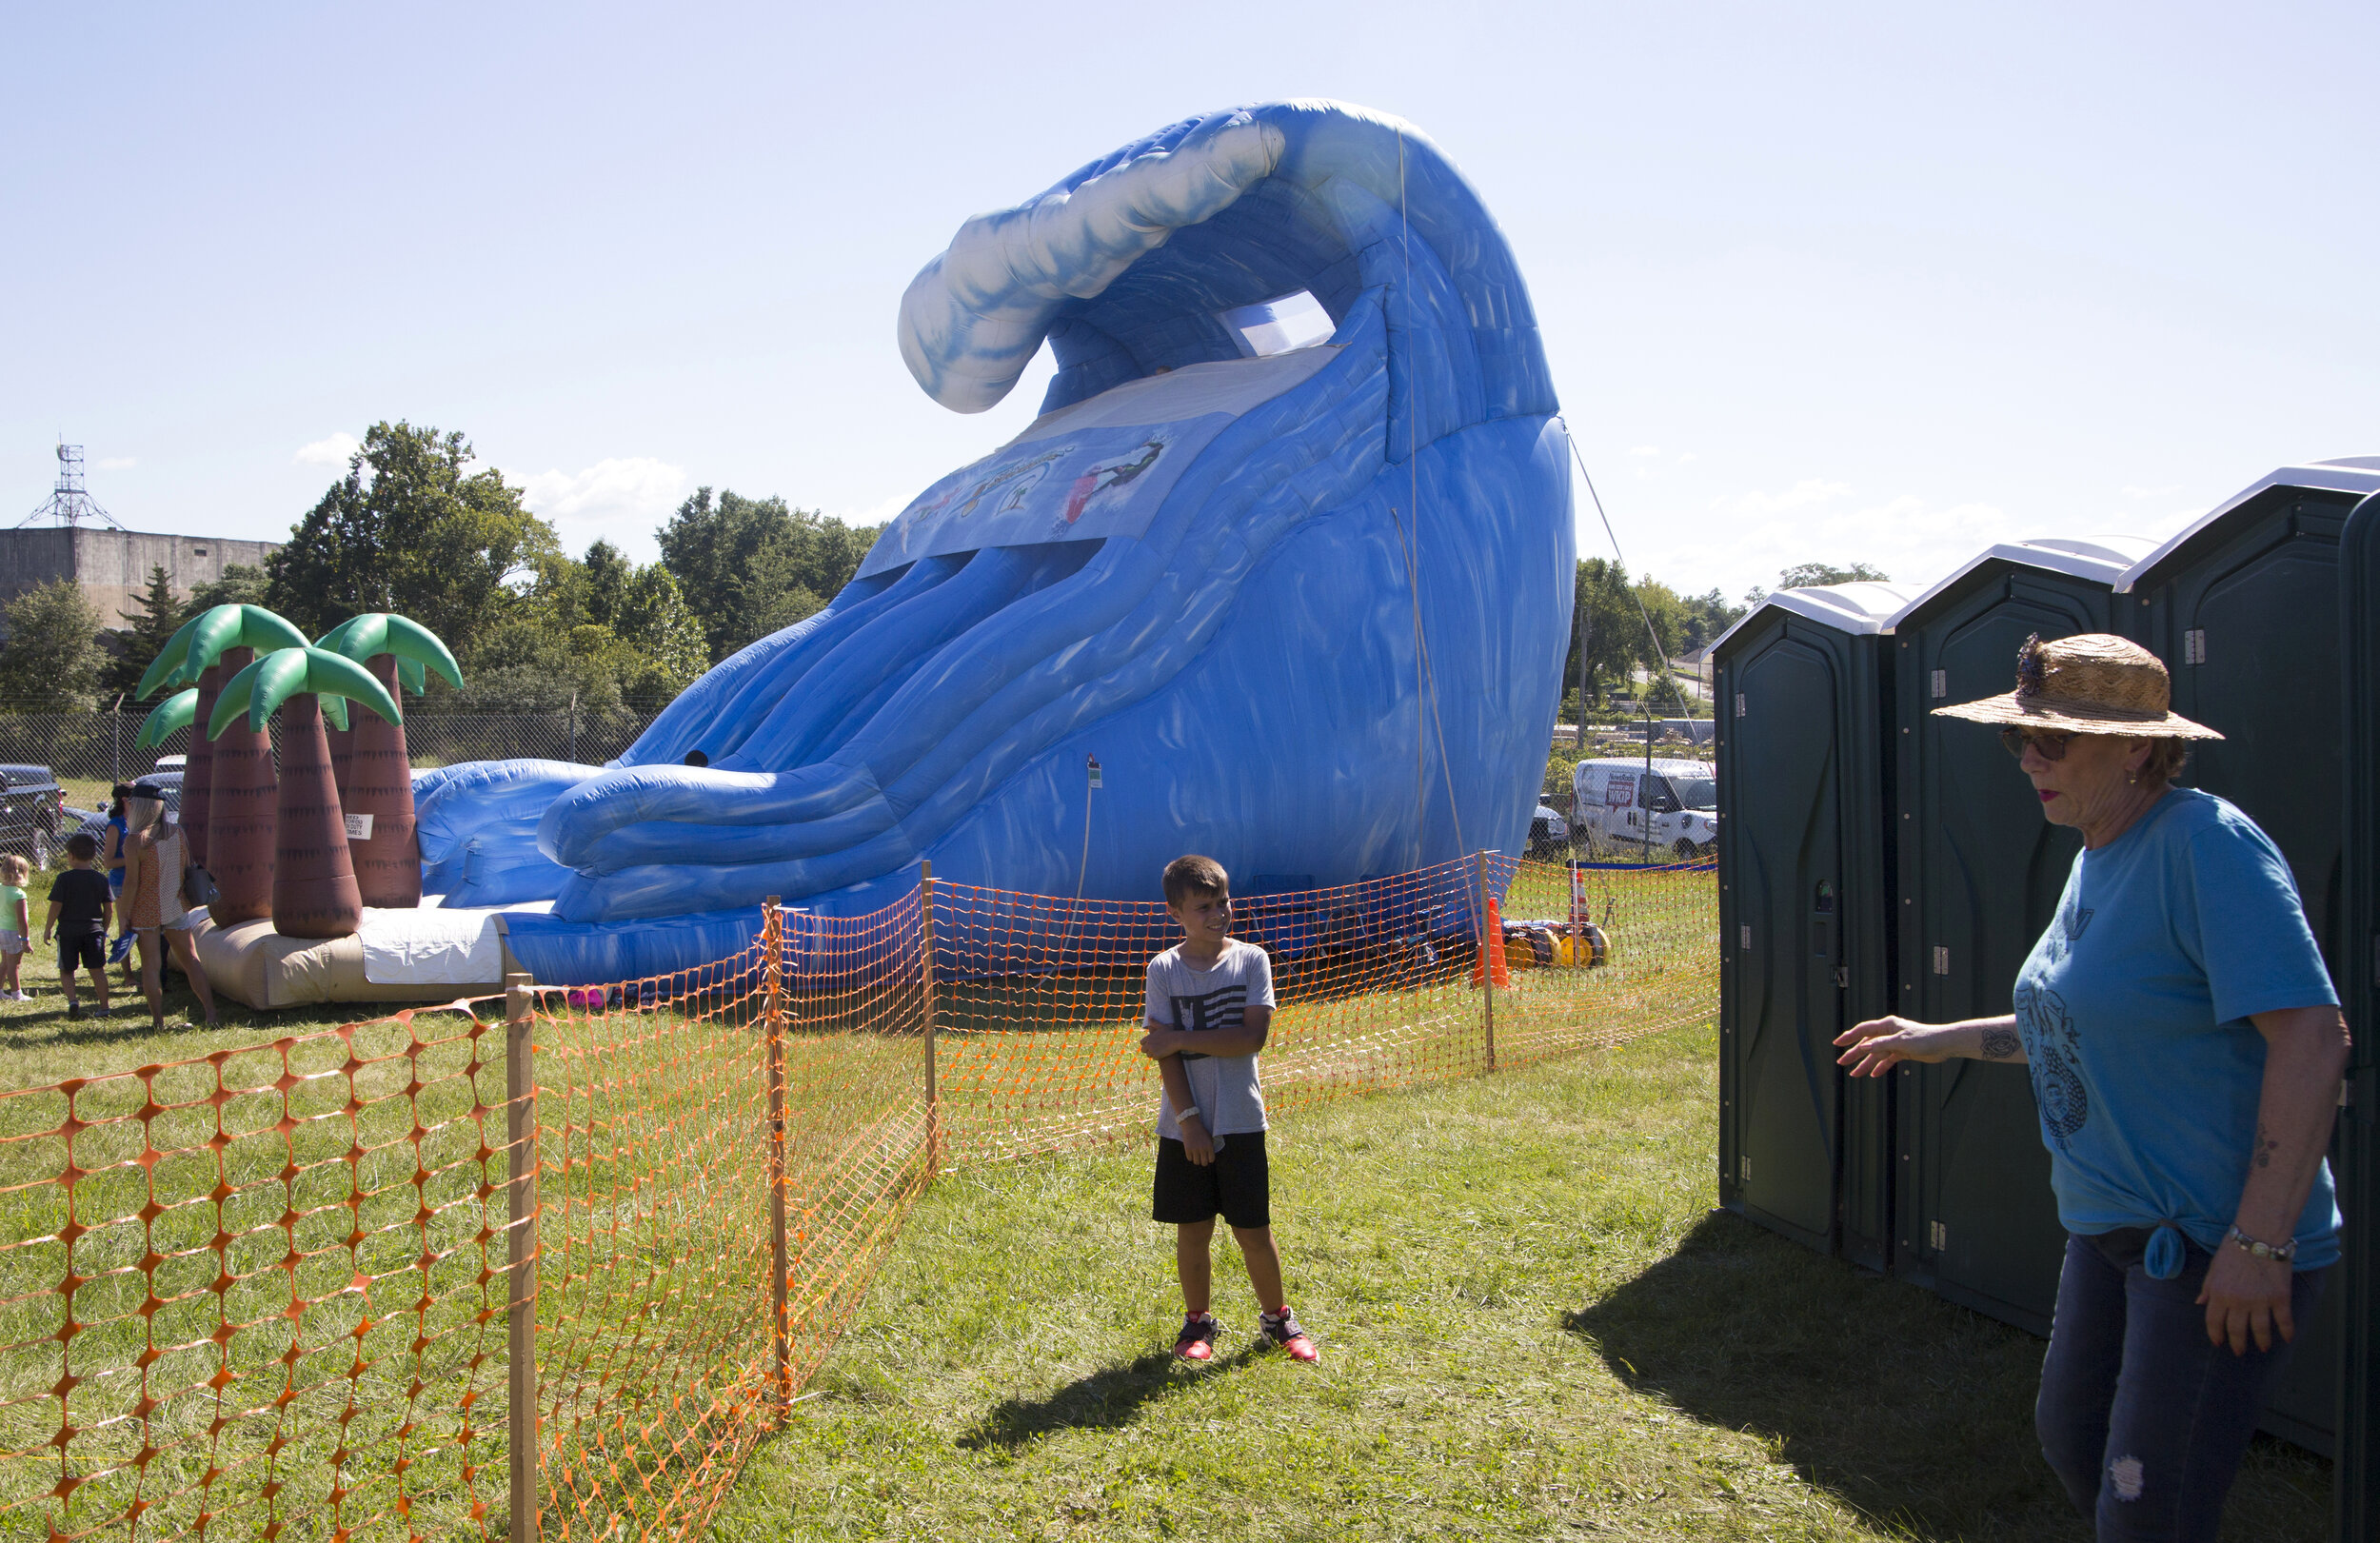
(2104, 558)
(1860, 609)
(2350, 474)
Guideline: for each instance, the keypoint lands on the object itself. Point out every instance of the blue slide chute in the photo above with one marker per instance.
(1288, 552)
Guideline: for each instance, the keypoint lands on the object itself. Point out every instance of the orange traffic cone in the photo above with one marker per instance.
(1493, 965)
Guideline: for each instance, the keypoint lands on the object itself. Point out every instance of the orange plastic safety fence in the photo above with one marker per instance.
(265, 1293)
(260, 1286)
(1376, 982)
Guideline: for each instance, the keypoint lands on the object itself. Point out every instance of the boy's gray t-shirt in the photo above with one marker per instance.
(1231, 1101)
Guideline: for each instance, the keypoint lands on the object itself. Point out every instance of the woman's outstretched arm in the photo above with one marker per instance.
(1874, 1048)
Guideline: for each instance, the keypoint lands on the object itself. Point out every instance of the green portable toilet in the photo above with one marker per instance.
(1980, 875)
(1805, 913)
(2357, 1282)
(2243, 607)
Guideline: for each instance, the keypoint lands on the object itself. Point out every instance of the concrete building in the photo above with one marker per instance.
(113, 565)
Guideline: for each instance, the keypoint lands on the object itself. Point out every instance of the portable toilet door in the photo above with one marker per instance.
(1805, 915)
(2356, 1282)
(1980, 875)
(2243, 606)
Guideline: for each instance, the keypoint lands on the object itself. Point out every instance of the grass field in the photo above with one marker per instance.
(1533, 1327)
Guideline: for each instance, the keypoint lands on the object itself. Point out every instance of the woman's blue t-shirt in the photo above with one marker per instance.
(2135, 1008)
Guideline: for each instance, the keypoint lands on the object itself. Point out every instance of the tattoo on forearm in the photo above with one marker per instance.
(2001, 1044)
(2265, 1146)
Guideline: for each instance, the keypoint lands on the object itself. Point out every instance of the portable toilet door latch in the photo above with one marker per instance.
(1940, 1233)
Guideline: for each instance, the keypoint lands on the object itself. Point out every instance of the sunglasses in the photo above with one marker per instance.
(2051, 746)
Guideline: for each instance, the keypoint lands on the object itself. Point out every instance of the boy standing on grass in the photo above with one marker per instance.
(80, 903)
(1215, 993)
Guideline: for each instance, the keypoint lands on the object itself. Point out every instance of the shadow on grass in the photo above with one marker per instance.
(1107, 1399)
(1914, 1411)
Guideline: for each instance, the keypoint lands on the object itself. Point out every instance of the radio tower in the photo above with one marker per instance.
(69, 505)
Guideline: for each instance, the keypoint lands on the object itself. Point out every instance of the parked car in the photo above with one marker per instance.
(1665, 804)
(1549, 833)
(32, 808)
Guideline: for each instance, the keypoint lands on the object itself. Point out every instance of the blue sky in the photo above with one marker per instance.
(1876, 283)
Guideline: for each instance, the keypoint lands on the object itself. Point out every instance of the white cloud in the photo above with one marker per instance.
(621, 500)
(116, 463)
(331, 450)
(1805, 494)
(881, 513)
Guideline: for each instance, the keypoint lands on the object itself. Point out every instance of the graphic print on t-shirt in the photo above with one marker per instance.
(2051, 1042)
(1225, 1008)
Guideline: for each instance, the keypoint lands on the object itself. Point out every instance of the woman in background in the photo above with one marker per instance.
(154, 856)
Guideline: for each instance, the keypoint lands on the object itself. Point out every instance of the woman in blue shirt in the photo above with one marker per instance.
(2185, 1046)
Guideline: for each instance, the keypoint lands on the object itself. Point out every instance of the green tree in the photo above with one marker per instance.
(1804, 575)
(51, 659)
(1606, 635)
(747, 568)
(609, 576)
(159, 615)
(239, 585)
(653, 619)
(1707, 616)
(409, 530)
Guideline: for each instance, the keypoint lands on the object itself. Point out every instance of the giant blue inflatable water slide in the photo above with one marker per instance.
(1287, 553)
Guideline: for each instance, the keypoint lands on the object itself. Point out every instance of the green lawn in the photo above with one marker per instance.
(1533, 1326)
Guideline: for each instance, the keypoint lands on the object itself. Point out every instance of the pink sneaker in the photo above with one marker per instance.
(1196, 1341)
(1281, 1331)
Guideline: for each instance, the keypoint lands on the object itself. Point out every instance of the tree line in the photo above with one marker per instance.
(1619, 627)
(413, 527)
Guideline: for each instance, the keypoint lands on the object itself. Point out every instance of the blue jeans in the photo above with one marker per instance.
(2144, 1421)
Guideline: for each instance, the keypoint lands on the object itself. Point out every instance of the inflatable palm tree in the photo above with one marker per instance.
(377, 789)
(228, 786)
(314, 892)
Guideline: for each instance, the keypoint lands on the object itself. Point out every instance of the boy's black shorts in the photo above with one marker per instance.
(88, 951)
(1238, 1183)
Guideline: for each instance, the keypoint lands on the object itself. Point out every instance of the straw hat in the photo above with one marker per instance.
(2090, 683)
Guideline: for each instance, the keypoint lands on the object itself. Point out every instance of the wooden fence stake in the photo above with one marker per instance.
(773, 1041)
(520, 1325)
(933, 1093)
(1487, 965)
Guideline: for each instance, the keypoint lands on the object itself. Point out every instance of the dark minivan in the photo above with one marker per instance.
(31, 799)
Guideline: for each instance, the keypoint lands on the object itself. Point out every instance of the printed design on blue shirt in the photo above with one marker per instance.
(2049, 1042)
(1225, 1008)
(2065, 931)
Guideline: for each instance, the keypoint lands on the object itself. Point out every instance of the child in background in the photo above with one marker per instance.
(17, 926)
(112, 856)
(79, 906)
(1215, 993)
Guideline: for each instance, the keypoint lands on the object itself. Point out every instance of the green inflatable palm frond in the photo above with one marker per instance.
(274, 679)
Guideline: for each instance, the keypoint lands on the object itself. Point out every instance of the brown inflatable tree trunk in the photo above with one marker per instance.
(198, 766)
(380, 794)
(314, 881)
(341, 742)
(240, 831)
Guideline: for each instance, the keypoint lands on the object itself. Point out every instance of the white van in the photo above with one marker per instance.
(1671, 804)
